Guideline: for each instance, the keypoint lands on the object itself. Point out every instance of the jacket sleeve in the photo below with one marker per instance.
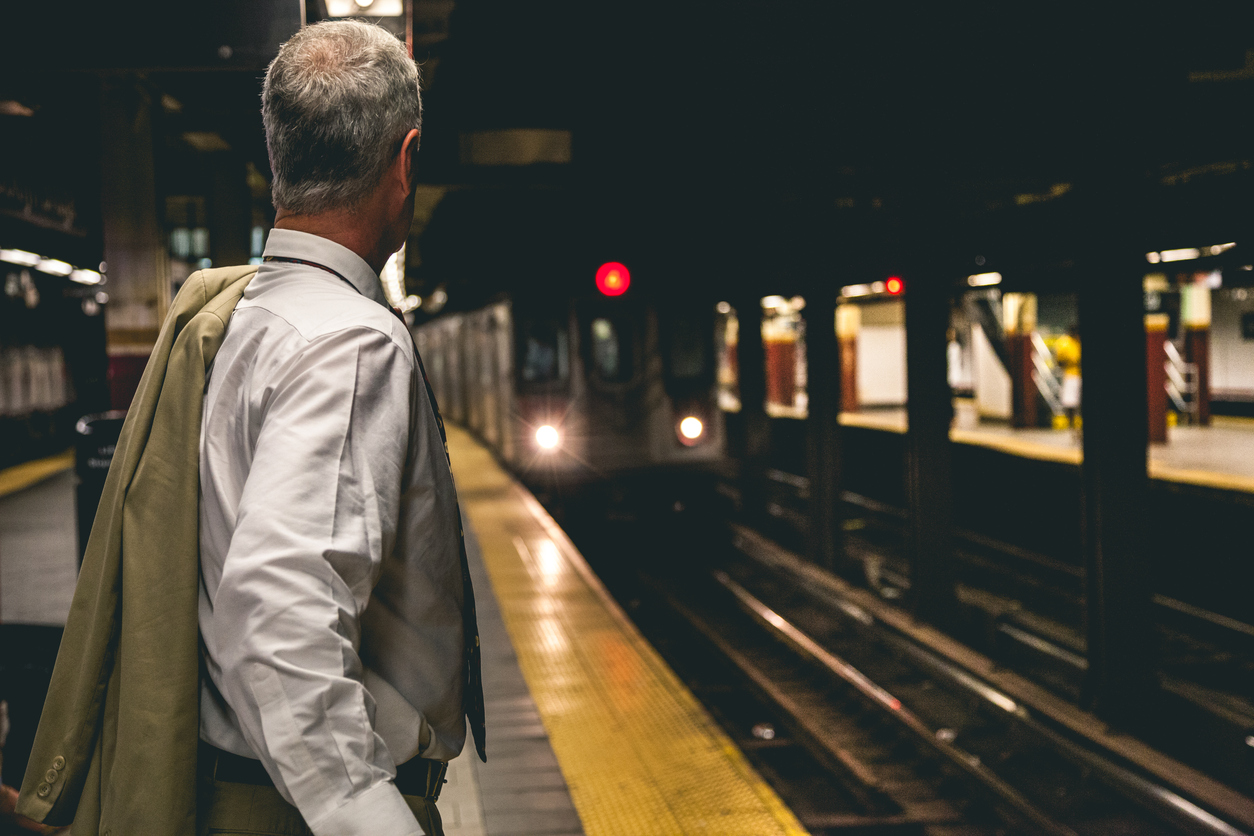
(146, 614)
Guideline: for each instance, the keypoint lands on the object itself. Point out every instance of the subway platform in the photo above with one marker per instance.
(589, 731)
(1220, 456)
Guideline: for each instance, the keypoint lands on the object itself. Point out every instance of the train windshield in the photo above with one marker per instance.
(611, 351)
(688, 348)
(544, 352)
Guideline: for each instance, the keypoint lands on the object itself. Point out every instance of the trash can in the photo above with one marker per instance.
(96, 437)
(27, 655)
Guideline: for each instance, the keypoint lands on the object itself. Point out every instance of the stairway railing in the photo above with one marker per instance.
(1181, 381)
(1045, 374)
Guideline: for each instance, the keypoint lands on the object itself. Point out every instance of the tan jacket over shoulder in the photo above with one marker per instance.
(116, 748)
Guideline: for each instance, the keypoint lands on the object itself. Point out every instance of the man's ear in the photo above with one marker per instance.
(409, 158)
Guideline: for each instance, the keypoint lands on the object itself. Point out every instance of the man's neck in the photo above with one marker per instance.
(344, 228)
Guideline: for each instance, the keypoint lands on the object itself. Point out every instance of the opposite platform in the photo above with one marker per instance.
(640, 755)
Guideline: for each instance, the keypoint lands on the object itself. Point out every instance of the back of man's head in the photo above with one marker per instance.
(337, 102)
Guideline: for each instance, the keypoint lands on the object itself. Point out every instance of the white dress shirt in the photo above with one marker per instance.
(331, 586)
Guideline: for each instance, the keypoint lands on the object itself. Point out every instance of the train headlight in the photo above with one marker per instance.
(690, 430)
(548, 437)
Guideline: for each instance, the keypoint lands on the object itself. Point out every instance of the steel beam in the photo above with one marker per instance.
(823, 382)
(1120, 631)
(751, 360)
(929, 483)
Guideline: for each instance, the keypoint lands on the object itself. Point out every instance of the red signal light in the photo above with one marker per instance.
(613, 279)
(894, 285)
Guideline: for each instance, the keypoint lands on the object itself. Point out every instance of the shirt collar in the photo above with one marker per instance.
(289, 243)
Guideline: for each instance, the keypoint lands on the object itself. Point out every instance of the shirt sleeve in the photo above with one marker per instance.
(317, 513)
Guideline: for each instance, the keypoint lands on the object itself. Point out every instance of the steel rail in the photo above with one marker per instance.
(964, 760)
(1133, 786)
(1128, 782)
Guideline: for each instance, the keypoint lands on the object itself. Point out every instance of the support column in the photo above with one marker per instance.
(1019, 316)
(824, 380)
(848, 321)
(230, 211)
(928, 480)
(1120, 684)
(751, 359)
(1197, 352)
(135, 249)
(1156, 376)
(1195, 317)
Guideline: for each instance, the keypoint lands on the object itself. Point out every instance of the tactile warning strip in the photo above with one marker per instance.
(640, 755)
(22, 476)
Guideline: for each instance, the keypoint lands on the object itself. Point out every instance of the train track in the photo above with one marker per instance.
(884, 735)
(1024, 609)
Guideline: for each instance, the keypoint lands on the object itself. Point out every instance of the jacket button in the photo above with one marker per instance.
(58, 763)
(51, 776)
(43, 790)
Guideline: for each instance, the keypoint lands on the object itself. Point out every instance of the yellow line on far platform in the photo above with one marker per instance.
(22, 476)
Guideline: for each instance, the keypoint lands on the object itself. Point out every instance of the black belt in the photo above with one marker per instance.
(420, 777)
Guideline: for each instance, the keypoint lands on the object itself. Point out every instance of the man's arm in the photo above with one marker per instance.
(318, 510)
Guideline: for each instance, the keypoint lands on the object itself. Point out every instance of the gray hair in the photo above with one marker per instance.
(337, 102)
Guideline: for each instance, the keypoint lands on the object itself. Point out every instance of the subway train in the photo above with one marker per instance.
(571, 391)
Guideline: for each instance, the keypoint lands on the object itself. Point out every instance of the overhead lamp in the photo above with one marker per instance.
(54, 266)
(1188, 253)
(86, 277)
(22, 257)
(856, 290)
(434, 302)
(984, 279)
(1185, 254)
(9, 107)
(393, 279)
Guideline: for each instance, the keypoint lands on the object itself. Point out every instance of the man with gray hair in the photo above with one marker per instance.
(336, 615)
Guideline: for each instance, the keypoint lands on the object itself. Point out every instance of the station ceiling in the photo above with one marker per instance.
(692, 124)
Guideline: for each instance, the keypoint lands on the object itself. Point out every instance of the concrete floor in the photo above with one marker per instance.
(38, 572)
(38, 552)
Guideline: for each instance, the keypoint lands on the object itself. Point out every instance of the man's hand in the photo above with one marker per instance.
(9, 819)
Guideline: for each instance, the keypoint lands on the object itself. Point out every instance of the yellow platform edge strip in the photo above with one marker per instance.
(22, 476)
(640, 754)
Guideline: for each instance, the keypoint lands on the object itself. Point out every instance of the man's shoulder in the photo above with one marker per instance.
(316, 309)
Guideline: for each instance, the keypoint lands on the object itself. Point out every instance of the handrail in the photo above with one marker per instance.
(1044, 376)
(1038, 343)
(1048, 391)
(1181, 380)
(1173, 353)
(1174, 391)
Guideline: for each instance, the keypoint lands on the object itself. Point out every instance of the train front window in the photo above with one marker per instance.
(545, 352)
(688, 349)
(611, 351)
